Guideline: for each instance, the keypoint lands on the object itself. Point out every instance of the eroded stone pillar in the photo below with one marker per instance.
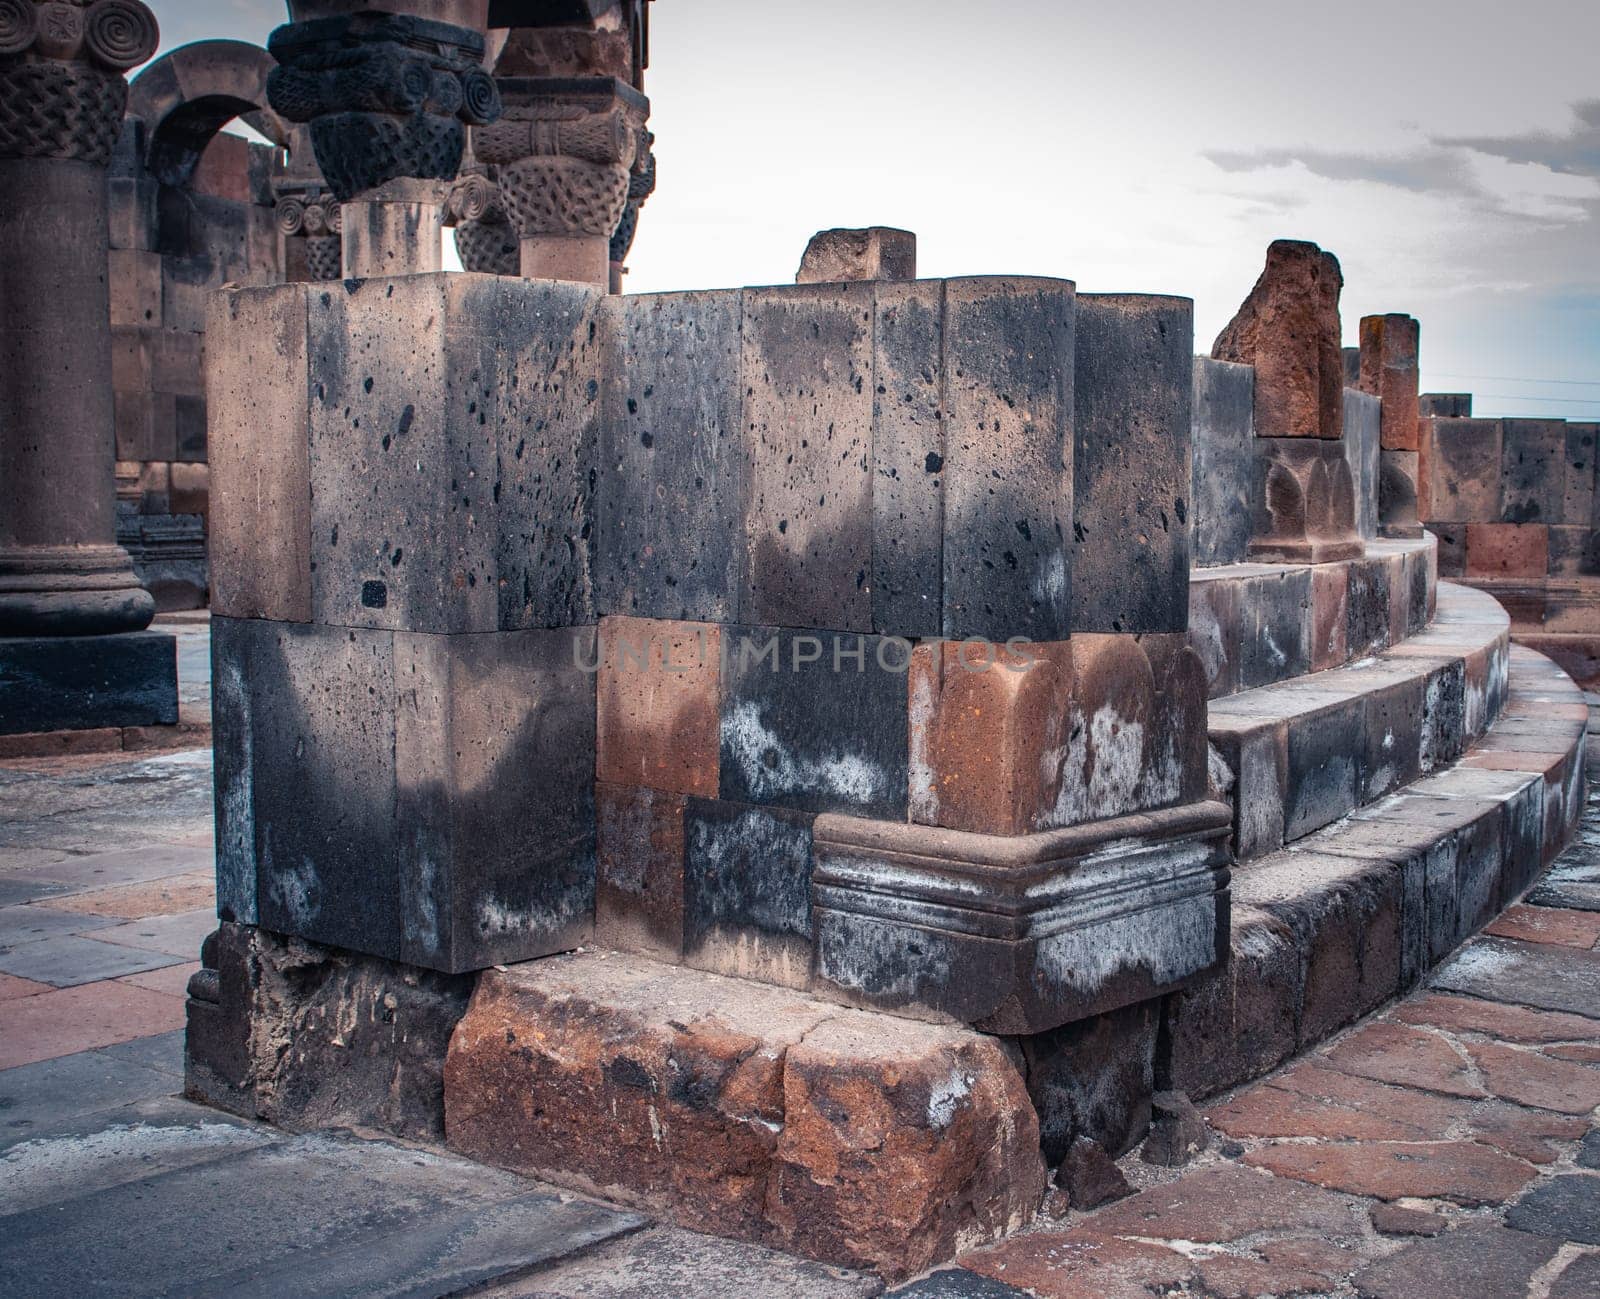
(387, 97)
(62, 96)
(1389, 371)
(566, 148)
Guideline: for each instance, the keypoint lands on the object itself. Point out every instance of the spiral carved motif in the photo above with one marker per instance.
(290, 215)
(19, 24)
(120, 33)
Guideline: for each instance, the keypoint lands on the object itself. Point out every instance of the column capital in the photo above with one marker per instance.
(62, 90)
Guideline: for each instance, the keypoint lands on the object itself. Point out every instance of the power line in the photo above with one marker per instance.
(1522, 396)
(1509, 378)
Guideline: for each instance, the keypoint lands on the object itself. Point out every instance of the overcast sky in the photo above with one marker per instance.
(1448, 151)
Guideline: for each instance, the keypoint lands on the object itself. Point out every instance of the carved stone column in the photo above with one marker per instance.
(309, 218)
(567, 148)
(641, 185)
(387, 97)
(62, 96)
(485, 238)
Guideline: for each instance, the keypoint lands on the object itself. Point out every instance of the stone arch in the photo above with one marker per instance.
(184, 98)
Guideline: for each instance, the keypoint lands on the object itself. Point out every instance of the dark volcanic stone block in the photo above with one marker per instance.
(1325, 755)
(816, 721)
(1094, 1079)
(1257, 757)
(806, 374)
(1215, 621)
(1459, 470)
(1532, 471)
(1452, 548)
(404, 409)
(907, 458)
(1223, 455)
(639, 904)
(234, 643)
(70, 683)
(1133, 378)
(1577, 506)
(1363, 433)
(747, 891)
(1008, 358)
(1455, 405)
(670, 464)
(1369, 607)
(494, 756)
(323, 735)
(1394, 737)
(1279, 644)
(1574, 551)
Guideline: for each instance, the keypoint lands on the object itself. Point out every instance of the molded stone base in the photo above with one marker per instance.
(71, 683)
(746, 1110)
(1023, 933)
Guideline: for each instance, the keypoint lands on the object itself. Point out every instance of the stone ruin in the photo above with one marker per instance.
(809, 760)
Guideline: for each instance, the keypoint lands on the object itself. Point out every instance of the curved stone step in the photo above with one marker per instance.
(1329, 929)
(1257, 624)
(1299, 755)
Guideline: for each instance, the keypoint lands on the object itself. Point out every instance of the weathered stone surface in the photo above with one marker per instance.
(1529, 1078)
(1304, 502)
(1369, 624)
(1363, 437)
(1574, 551)
(59, 683)
(1459, 470)
(1494, 1019)
(875, 253)
(806, 375)
(814, 722)
(1393, 751)
(1223, 410)
(1459, 1171)
(1089, 1176)
(1396, 1220)
(1330, 616)
(1092, 1080)
(1216, 628)
(1579, 1278)
(307, 1036)
(1480, 1258)
(658, 698)
(1177, 1132)
(1131, 463)
(1405, 1056)
(1008, 515)
(1225, 1204)
(1537, 975)
(1312, 1101)
(1397, 494)
(1507, 550)
(1255, 752)
(1454, 405)
(640, 853)
(670, 463)
(852, 1138)
(1277, 640)
(1389, 353)
(1578, 495)
(1580, 929)
(1532, 471)
(1325, 754)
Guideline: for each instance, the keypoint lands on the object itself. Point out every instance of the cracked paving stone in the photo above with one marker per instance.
(1478, 1260)
(1563, 1208)
(1495, 1019)
(1410, 1057)
(1529, 1078)
(1460, 1171)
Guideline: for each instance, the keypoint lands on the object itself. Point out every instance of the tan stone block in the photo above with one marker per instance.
(659, 700)
(130, 359)
(876, 253)
(177, 362)
(986, 729)
(135, 284)
(191, 488)
(1507, 550)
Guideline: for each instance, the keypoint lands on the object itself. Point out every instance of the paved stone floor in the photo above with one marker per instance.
(1447, 1147)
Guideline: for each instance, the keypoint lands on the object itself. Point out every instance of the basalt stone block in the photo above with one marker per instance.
(1325, 754)
(1223, 405)
(1451, 405)
(747, 891)
(1256, 753)
(986, 729)
(1018, 934)
(1133, 378)
(1508, 550)
(908, 450)
(1288, 329)
(1363, 437)
(640, 845)
(1421, 584)
(549, 408)
(670, 465)
(1389, 351)
(1533, 471)
(234, 646)
(1330, 615)
(816, 722)
(806, 374)
(875, 253)
(1369, 607)
(1452, 538)
(1008, 480)
(68, 683)
(1459, 478)
(1304, 502)
(1393, 734)
(1135, 734)
(258, 393)
(659, 689)
(1279, 644)
(1444, 733)
(1092, 1080)
(1574, 551)
(403, 459)
(1578, 499)
(1397, 494)
(494, 738)
(1216, 622)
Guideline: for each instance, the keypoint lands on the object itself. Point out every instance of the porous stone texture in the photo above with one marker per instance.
(1304, 502)
(1223, 407)
(874, 253)
(1092, 1081)
(1389, 361)
(1089, 1176)
(1288, 329)
(852, 1138)
(1177, 1132)
(58, 683)
(307, 1036)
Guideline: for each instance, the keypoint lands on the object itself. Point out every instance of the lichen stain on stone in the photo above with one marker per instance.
(770, 769)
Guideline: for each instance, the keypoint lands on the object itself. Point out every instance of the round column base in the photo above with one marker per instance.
(71, 591)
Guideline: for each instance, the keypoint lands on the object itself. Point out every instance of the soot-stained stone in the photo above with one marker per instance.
(806, 375)
(494, 742)
(1459, 470)
(1133, 378)
(1215, 630)
(404, 405)
(234, 646)
(1574, 551)
(1221, 482)
(1532, 471)
(1325, 751)
(1393, 738)
(1452, 548)
(1369, 607)
(670, 467)
(323, 738)
(1093, 1080)
(1008, 358)
(908, 450)
(639, 904)
(1256, 753)
(816, 721)
(547, 439)
(1363, 433)
(1278, 644)
(1452, 405)
(1330, 615)
(63, 683)
(1577, 505)
(747, 891)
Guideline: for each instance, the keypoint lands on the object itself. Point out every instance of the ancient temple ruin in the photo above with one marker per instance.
(801, 759)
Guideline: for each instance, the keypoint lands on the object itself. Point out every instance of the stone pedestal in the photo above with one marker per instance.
(61, 683)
